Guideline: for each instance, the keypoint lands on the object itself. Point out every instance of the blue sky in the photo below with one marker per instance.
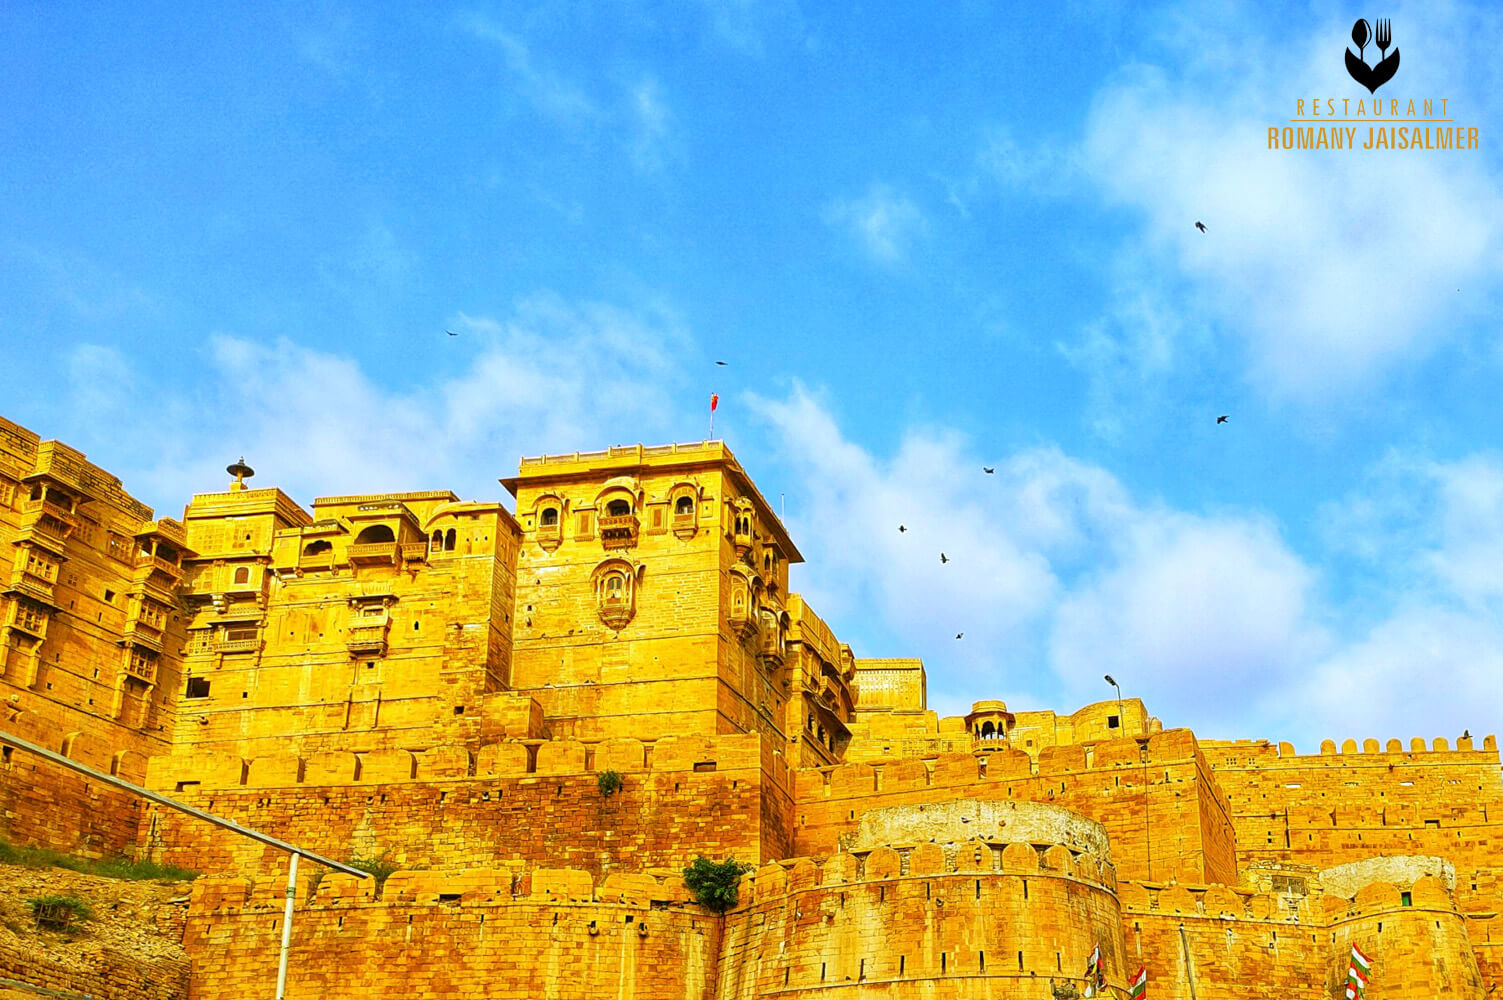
(924, 240)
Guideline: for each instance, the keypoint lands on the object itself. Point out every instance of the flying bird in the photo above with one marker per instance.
(943, 558)
(960, 635)
(902, 528)
(1466, 734)
(1201, 226)
(720, 363)
(451, 333)
(1222, 419)
(989, 472)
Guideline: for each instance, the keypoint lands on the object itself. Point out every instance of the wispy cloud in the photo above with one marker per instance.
(548, 92)
(748, 25)
(1058, 575)
(552, 375)
(1330, 268)
(652, 122)
(884, 222)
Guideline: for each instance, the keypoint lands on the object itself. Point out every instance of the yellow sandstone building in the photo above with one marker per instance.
(541, 717)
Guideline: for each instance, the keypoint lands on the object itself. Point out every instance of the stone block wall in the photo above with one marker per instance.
(46, 805)
(1156, 797)
(971, 919)
(549, 933)
(537, 803)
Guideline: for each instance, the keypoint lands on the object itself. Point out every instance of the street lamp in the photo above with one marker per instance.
(1122, 722)
(1147, 827)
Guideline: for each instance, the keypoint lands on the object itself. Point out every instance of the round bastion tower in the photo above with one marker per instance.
(1000, 900)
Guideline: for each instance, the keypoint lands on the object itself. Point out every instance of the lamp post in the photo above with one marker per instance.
(1147, 830)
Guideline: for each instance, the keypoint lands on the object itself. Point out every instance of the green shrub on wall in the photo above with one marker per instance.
(715, 883)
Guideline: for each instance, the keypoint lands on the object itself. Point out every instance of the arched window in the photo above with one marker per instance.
(449, 538)
(767, 562)
(242, 575)
(684, 506)
(549, 517)
(617, 508)
(988, 730)
(615, 588)
(318, 547)
(375, 533)
(436, 544)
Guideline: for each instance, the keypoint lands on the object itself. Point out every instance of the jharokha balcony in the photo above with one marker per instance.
(36, 508)
(377, 553)
(618, 531)
(367, 639)
(146, 564)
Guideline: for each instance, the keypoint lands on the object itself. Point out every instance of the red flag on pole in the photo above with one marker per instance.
(714, 402)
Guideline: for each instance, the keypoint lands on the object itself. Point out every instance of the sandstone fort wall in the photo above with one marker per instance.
(537, 803)
(549, 933)
(1156, 798)
(973, 919)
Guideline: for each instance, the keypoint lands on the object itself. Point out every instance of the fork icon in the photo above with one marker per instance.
(1383, 36)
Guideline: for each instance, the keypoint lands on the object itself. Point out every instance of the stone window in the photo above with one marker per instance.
(374, 534)
(1112, 722)
(684, 507)
(198, 687)
(242, 575)
(318, 547)
(617, 508)
(450, 537)
(548, 518)
(615, 593)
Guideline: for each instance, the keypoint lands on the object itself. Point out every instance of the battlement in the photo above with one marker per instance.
(1262, 753)
(978, 857)
(208, 770)
(951, 770)
(465, 887)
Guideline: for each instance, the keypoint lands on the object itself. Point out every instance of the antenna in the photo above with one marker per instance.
(782, 506)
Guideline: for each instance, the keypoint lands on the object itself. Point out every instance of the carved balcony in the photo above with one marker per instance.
(369, 640)
(37, 508)
(375, 553)
(142, 669)
(238, 644)
(28, 584)
(138, 633)
(146, 564)
(619, 531)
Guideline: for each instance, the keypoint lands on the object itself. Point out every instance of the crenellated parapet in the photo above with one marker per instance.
(462, 887)
(211, 771)
(1155, 795)
(996, 918)
(491, 932)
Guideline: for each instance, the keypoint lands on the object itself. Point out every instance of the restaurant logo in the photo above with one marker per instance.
(1414, 122)
(1372, 77)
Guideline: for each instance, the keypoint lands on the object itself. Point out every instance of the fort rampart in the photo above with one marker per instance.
(533, 803)
(1156, 797)
(446, 935)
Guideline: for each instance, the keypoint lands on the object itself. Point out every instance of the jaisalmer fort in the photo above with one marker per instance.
(535, 721)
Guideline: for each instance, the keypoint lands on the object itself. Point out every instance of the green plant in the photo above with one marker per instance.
(609, 783)
(715, 883)
(377, 867)
(117, 867)
(60, 912)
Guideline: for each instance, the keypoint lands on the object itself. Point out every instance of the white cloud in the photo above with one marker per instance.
(652, 121)
(553, 376)
(884, 222)
(1332, 267)
(1208, 616)
(1060, 576)
(549, 93)
(745, 25)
